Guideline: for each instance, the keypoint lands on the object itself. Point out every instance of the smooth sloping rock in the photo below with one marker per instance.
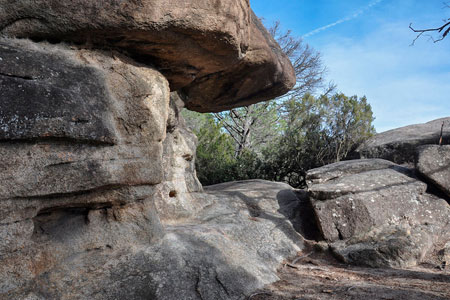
(366, 182)
(353, 199)
(257, 197)
(218, 52)
(433, 162)
(399, 145)
(230, 248)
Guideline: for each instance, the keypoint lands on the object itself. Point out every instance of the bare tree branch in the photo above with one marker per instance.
(443, 30)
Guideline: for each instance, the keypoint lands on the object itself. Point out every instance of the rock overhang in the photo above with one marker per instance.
(100, 168)
(216, 52)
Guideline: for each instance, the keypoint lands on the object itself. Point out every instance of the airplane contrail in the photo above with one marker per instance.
(346, 19)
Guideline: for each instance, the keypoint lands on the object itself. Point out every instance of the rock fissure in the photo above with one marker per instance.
(216, 277)
(17, 76)
(432, 187)
(80, 192)
(55, 140)
(197, 284)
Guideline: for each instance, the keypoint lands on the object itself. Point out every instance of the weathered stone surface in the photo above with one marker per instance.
(216, 51)
(47, 150)
(354, 200)
(110, 207)
(390, 246)
(399, 145)
(290, 210)
(355, 179)
(70, 186)
(180, 179)
(433, 162)
(45, 95)
(71, 235)
(230, 248)
(444, 255)
(345, 168)
(353, 204)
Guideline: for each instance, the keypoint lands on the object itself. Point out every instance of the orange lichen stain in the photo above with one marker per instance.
(41, 263)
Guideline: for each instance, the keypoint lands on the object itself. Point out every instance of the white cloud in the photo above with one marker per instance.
(404, 85)
(346, 19)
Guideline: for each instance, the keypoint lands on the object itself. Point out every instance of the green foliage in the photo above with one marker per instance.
(319, 131)
(251, 126)
(349, 122)
(282, 139)
(309, 132)
(215, 150)
(195, 121)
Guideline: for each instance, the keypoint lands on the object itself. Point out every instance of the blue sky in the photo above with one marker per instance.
(365, 45)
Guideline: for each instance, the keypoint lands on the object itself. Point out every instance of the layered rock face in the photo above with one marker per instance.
(375, 213)
(211, 50)
(82, 143)
(98, 193)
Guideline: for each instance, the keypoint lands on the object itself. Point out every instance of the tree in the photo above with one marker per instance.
(215, 153)
(307, 63)
(348, 122)
(282, 139)
(442, 30)
(319, 131)
(302, 145)
(252, 126)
